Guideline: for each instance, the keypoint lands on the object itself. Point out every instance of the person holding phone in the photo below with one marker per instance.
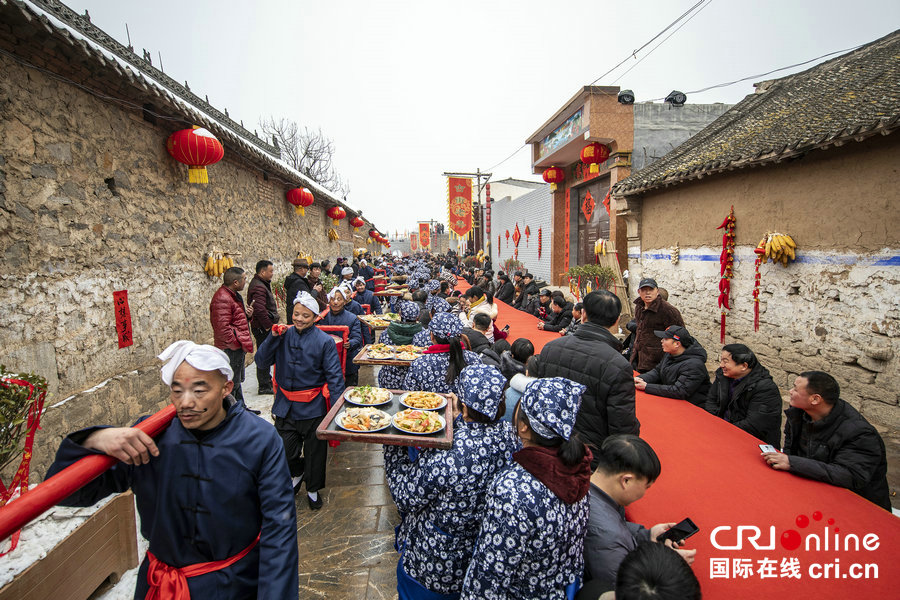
(627, 468)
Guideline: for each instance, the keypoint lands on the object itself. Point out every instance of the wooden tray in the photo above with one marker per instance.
(328, 429)
(363, 359)
(378, 328)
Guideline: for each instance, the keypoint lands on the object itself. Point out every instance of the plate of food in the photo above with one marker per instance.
(364, 419)
(367, 395)
(391, 316)
(418, 422)
(423, 400)
(380, 352)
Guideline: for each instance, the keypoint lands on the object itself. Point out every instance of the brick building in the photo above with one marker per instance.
(595, 115)
(91, 203)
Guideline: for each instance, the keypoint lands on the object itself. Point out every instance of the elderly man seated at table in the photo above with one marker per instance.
(627, 468)
(826, 439)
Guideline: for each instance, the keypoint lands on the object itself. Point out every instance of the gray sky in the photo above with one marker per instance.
(410, 89)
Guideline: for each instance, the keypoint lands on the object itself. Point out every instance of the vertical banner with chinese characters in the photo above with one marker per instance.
(413, 242)
(123, 318)
(424, 236)
(459, 206)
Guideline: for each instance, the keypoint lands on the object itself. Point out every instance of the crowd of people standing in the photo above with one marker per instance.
(546, 454)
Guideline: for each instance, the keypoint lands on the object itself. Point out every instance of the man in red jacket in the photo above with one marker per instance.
(231, 331)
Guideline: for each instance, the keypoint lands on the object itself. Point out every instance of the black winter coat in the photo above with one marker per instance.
(532, 289)
(755, 404)
(842, 449)
(509, 366)
(293, 285)
(505, 293)
(684, 377)
(559, 320)
(592, 356)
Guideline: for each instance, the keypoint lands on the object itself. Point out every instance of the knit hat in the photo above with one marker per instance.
(552, 406)
(445, 325)
(481, 388)
(409, 311)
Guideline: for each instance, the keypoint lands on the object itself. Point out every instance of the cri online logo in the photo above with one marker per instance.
(791, 539)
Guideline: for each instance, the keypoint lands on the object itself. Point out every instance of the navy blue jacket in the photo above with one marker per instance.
(369, 297)
(368, 273)
(303, 360)
(206, 500)
(355, 343)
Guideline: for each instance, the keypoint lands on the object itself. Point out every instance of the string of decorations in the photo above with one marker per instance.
(726, 269)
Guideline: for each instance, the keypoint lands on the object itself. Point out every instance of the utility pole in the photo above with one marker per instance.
(475, 243)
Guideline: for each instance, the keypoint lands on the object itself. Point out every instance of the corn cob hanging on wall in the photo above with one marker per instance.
(778, 247)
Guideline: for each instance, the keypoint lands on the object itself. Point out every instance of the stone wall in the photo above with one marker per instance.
(90, 203)
(836, 309)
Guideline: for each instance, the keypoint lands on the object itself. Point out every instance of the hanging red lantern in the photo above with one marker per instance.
(300, 198)
(554, 175)
(336, 213)
(357, 222)
(197, 148)
(593, 154)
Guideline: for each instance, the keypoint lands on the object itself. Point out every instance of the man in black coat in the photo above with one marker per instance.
(506, 291)
(744, 394)
(531, 287)
(826, 439)
(560, 315)
(592, 356)
(295, 283)
(682, 372)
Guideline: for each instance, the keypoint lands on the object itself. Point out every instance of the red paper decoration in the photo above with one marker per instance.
(336, 213)
(197, 148)
(554, 175)
(593, 154)
(540, 240)
(517, 237)
(357, 222)
(606, 199)
(527, 235)
(300, 198)
(587, 207)
(726, 269)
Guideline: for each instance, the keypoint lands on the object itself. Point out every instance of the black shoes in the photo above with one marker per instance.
(314, 504)
(266, 392)
(299, 484)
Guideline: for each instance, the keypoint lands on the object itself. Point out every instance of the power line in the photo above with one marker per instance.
(632, 55)
(660, 44)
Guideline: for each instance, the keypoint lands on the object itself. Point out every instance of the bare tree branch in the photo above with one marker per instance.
(307, 151)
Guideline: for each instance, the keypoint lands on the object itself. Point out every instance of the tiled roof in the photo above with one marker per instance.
(851, 97)
(118, 62)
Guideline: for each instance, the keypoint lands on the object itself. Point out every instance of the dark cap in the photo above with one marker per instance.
(677, 333)
(300, 262)
(519, 273)
(545, 292)
(529, 275)
(647, 282)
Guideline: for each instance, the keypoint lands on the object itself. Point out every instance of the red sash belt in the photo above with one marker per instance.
(437, 349)
(303, 395)
(170, 583)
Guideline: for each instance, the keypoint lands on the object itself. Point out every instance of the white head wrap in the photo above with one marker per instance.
(347, 271)
(202, 357)
(358, 280)
(363, 262)
(339, 289)
(308, 301)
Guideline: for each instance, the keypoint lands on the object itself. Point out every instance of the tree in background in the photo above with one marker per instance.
(310, 152)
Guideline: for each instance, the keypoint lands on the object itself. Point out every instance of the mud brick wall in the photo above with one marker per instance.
(91, 203)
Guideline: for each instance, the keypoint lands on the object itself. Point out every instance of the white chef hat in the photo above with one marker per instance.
(199, 356)
(308, 301)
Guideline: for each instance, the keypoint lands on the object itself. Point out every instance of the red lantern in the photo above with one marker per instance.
(554, 175)
(357, 222)
(196, 148)
(593, 154)
(336, 213)
(300, 198)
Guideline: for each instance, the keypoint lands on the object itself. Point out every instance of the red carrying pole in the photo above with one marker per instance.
(31, 504)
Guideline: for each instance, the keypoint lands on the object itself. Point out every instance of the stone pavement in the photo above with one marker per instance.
(347, 547)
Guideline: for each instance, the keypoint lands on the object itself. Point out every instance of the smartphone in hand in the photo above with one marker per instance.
(767, 448)
(680, 532)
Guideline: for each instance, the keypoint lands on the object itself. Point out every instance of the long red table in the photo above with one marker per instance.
(712, 472)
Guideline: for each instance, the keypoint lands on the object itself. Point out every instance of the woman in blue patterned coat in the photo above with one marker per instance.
(532, 537)
(438, 370)
(441, 493)
(404, 332)
(438, 305)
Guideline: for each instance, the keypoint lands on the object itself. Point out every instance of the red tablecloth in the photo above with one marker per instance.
(520, 323)
(712, 473)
